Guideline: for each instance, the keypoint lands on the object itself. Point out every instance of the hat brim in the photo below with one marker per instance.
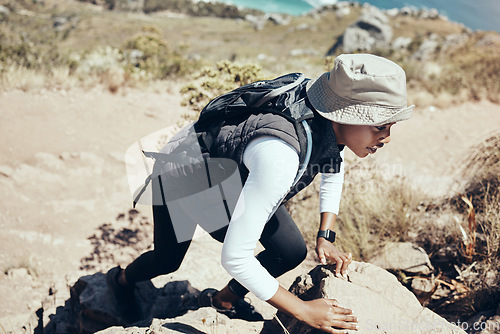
(344, 111)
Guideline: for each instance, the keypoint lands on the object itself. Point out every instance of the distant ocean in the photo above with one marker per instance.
(475, 14)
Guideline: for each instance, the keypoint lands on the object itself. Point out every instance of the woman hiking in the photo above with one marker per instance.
(354, 105)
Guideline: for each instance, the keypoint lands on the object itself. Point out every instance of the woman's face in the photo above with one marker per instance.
(362, 139)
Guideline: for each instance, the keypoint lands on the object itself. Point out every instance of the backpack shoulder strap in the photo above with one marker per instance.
(304, 164)
(278, 91)
(302, 167)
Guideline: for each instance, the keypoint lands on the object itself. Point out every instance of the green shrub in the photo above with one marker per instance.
(24, 53)
(148, 51)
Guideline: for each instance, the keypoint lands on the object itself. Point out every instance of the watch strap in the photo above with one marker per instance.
(327, 234)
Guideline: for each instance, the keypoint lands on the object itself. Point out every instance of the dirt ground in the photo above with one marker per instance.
(62, 174)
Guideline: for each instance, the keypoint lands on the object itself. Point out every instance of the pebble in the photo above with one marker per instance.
(18, 273)
(6, 170)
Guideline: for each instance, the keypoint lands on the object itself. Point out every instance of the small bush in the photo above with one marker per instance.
(26, 64)
(23, 52)
(145, 56)
(481, 170)
(148, 51)
(149, 42)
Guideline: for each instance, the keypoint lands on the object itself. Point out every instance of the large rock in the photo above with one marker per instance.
(380, 302)
(428, 48)
(403, 256)
(4, 13)
(260, 21)
(202, 321)
(453, 42)
(401, 43)
(371, 31)
(92, 308)
(192, 323)
(171, 309)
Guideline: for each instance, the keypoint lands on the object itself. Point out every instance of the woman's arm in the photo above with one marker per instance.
(330, 194)
(331, 189)
(327, 250)
(273, 165)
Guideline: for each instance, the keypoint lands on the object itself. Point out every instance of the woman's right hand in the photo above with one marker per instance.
(328, 316)
(324, 314)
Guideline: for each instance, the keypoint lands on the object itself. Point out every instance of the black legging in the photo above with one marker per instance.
(284, 245)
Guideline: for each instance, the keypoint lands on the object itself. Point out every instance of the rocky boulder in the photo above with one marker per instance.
(403, 256)
(259, 21)
(171, 309)
(431, 13)
(380, 302)
(92, 308)
(427, 49)
(202, 321)
(4, 13)
(371, 31)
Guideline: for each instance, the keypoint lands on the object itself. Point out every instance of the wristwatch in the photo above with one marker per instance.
(327, 234)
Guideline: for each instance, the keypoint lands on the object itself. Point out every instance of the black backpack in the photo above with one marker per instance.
(279, 96)
(253, 95)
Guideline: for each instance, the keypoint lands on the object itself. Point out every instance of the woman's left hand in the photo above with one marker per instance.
(327, 251)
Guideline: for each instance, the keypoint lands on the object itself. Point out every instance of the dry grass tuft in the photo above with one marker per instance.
(20, 78)
(469, 71)
(473, 214)
(481, 168)
(462, 233)
(475, 67)
(378, 206)
(481, 171)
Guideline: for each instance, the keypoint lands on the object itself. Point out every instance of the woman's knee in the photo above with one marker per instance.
(289, 257)
(167, 266)
(168, 262)
(296, 255)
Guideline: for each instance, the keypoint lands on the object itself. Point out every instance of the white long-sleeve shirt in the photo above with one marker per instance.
(272, 165)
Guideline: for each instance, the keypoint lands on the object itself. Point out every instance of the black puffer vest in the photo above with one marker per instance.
(237, 133)
(179, 160)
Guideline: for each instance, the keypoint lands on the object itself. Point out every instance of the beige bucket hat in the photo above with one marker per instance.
(361, 89)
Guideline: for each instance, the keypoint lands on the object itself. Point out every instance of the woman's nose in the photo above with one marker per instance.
(385, 140)
(386, 136)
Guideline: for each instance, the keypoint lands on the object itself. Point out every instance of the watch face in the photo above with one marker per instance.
(330, 235)
(327, 234)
